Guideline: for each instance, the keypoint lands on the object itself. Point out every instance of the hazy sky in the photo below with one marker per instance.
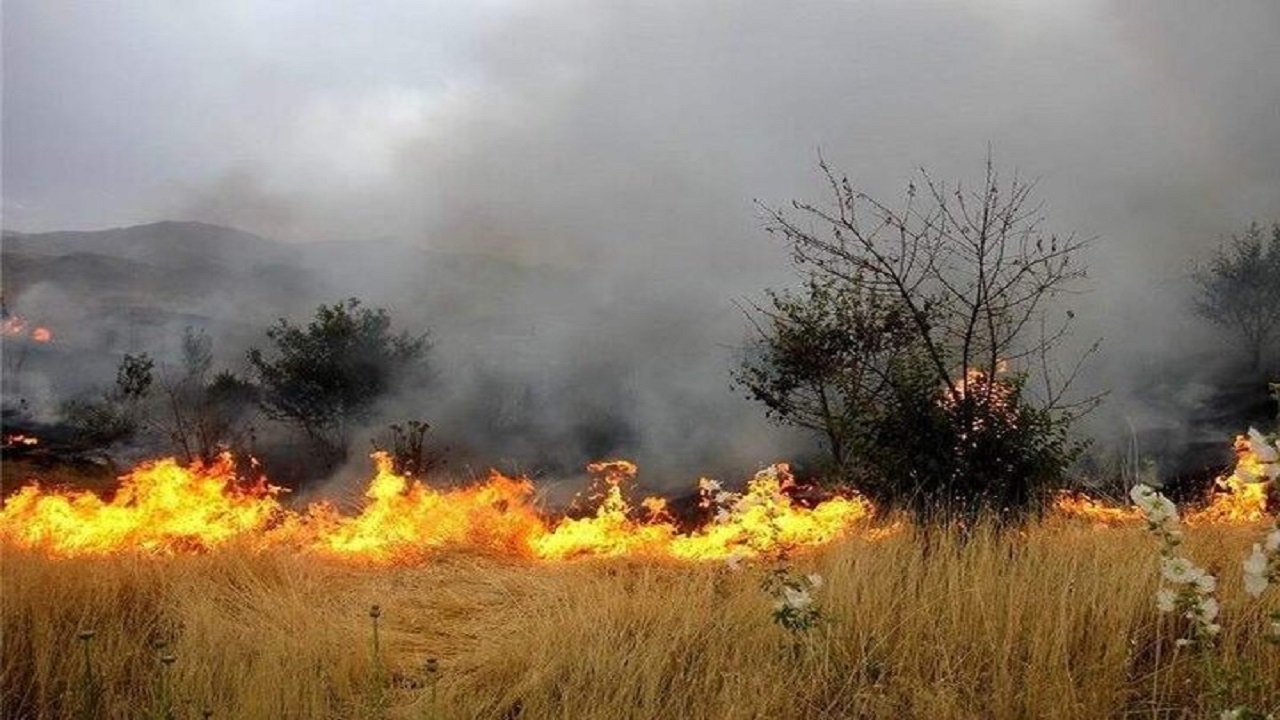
(541, 127)
(633, 138)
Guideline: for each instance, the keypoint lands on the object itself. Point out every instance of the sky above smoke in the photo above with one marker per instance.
(630, 140)
(571, 131)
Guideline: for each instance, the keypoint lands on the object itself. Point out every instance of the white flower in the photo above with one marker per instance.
(1164, 513)
(1205, 611)
(1232, 714)
(1272, 543)
(1256, 563)
(795, 598)
(1255, 585)
(1166, 600)
(1206, 584)
(1263, 449)
(1141, 492)
(1255, 571)
(1158, 509)
(1144, 497)
(1213, 628)
(1179, 570)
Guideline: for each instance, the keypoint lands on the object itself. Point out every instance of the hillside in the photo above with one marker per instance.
(134, 289)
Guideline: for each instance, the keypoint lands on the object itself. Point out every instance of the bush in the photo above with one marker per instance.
(922, 351)
(326, 376)
(113, 416)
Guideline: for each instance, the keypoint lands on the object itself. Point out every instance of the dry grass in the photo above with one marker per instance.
(1057, 624)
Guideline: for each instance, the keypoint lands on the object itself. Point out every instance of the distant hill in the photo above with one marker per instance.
(133, 289)
(538, 366)
(167, 244)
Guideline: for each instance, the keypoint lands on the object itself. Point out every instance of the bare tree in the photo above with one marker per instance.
(1239, 290)
(973, 270)
(968, 404)
(203, 412)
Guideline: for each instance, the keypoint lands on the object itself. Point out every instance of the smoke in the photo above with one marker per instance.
(608, 156)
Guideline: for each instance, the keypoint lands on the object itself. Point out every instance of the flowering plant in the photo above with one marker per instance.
(1185, 587)
(794, 605)
(1188, 589)
(1262, 566)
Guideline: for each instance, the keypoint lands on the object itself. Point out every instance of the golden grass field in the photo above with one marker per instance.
(1058, 622)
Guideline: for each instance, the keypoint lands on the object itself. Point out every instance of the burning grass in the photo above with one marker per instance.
(189, 591)
(165, 508)
(1057, 623)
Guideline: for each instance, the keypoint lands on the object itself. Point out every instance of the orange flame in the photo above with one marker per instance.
(405, 516)
(161, 506)
(16, 326)
(1242, 495)
(764, 520)
(15, 439)
(1078, 505)
(13, 325)
(988, 390)
(164, 508)
(977, 381)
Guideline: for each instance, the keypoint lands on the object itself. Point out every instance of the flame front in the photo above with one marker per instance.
(160, 506)
(20, 440)
(1240, 498)
(1079, 505)
(16, 326)
(405, 516)
(165, 508)
(1242, 495)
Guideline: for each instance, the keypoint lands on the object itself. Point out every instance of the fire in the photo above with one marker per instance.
(978, 382)
(1242, 495)
(988, 391)
(165, 508)
(613, 530)
(764, 520)
(161, 507)
(1079, 505)
(405, 516)
(16, 326)
(13, 325)
(18, 439)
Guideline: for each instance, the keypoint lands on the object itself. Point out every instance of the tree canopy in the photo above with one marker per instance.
(326, 375)
(1239, 290)
(923, 347)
